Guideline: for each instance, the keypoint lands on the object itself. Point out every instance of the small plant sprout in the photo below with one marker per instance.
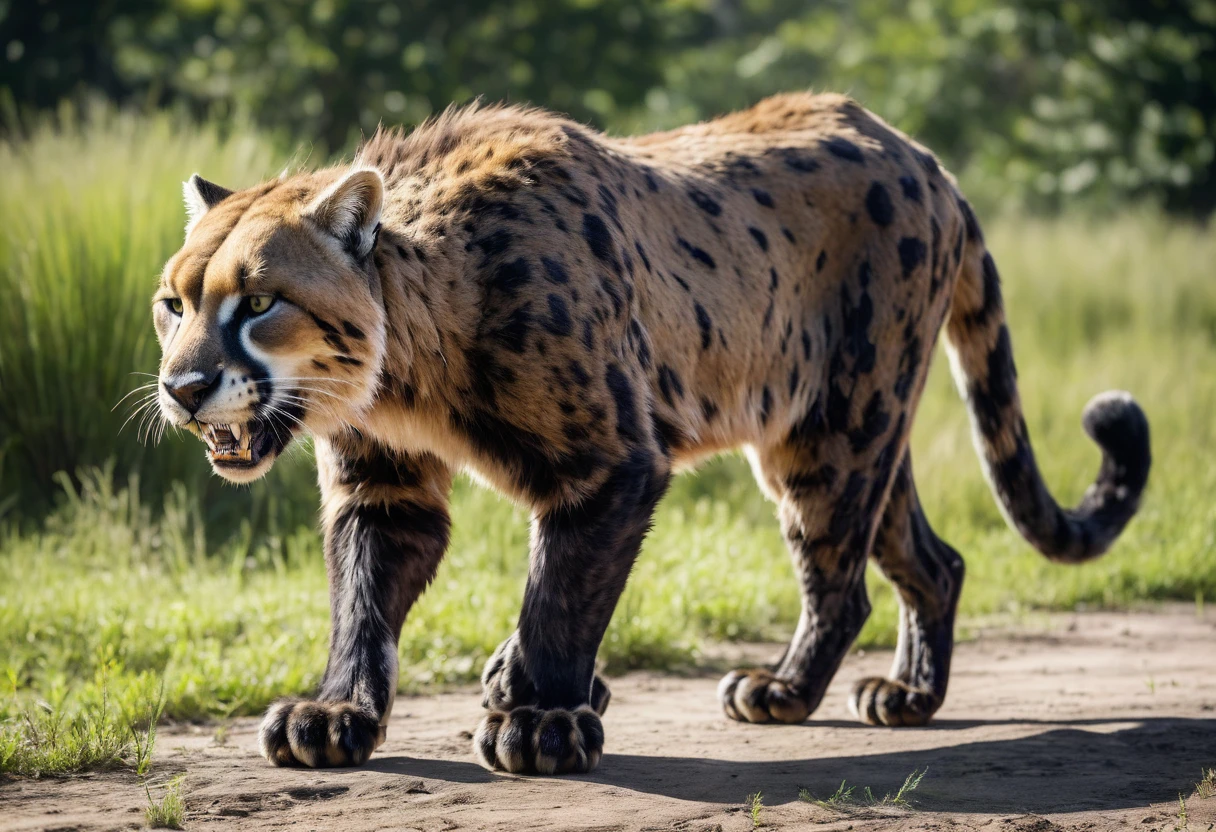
(754, 806)
(843, 800)
(1206, 787)
(170, 810)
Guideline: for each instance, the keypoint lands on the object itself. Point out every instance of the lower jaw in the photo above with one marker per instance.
(239, 472)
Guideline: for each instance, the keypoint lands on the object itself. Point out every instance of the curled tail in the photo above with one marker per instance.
(981, 358)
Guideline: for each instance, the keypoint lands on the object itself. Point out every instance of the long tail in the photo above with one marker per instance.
(981, 358)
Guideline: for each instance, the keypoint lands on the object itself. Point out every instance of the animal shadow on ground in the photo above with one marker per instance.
(1084, 765)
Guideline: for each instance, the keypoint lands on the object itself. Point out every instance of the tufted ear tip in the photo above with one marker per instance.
(200, 197)
(350, 210)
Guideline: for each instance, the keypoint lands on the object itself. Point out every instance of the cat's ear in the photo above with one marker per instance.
(201, 196)
(350, 210)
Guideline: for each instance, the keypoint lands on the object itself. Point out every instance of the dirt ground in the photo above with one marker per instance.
(1089, 721)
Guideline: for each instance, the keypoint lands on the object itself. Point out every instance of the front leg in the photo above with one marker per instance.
(581, 558)
(386, 529)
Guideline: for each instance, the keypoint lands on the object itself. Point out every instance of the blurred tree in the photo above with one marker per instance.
(1047, 99)
(328, 69)
(1125, 99)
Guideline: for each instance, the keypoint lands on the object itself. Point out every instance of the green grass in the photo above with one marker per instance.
(169, 811)
(218, 593)
(845, 799)
(755, 806)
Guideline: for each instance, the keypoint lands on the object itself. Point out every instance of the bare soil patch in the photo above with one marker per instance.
(1092, 721)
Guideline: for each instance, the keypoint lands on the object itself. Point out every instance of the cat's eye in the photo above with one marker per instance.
(176, 305)
(260, 303)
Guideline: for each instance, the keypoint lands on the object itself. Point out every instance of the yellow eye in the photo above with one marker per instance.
(260, 303)
(176, 305)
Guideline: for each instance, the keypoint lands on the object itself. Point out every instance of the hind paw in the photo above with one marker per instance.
(759, 696)
(530, 740)
(318, 734)
(506, 686)
(879, 701)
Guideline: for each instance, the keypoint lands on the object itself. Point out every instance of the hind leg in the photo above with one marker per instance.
(828, 517)
(928, 575)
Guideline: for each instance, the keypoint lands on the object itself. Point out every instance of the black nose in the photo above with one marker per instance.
(190, 389)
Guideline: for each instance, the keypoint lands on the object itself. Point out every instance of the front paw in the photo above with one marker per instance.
(318, 734)
(506, 686)
(879, 701)
(530, 740)
(759, 696)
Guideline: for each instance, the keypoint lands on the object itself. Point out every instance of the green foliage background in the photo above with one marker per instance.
(1041, 100)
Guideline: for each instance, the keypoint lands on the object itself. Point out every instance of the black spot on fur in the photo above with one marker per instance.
(514, 332)
(799, 162)
(705, 202)
(992, 293)
(974, 234)
(759, 237)
(766, 405)
(559, 322)
(622, 394)
(698, 254)
(705, 324)
(912, 253)
(353, 331)
(325, 326)
(579, 374)
(709, 410)
(789, 235)
(879, 205)
(846, 512)
(909, 363)
(844, 149)
(804, 484)
(493, 244)
(597, 236)
(554, 270)
(346, 359)
(856, 336)
(990, 398)
(874, 423)
(642, 253)
(911, 187)
(512, 276)
(763, 197)
(821, 260)
(670, 385)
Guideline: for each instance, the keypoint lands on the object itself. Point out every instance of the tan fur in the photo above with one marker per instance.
(569, 317)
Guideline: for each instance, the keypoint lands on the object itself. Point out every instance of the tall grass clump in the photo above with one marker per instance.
(92, 209)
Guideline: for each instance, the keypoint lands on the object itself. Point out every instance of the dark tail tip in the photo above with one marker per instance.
(1119, 426)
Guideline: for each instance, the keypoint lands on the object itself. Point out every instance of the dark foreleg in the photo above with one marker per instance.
(386, 529)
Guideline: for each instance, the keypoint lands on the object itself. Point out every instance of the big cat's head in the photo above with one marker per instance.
(269, 317)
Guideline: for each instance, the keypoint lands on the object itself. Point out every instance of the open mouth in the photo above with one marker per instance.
(237, 445)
